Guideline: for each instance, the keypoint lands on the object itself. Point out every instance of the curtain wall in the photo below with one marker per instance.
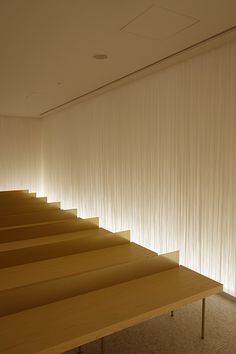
(20, 154)
(157, 156)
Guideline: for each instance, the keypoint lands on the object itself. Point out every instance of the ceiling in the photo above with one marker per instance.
(48, 46)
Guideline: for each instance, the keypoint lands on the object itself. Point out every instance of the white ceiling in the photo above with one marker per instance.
(47, 46)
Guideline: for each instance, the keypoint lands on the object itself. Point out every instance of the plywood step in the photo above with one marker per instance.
(36, 231)
(5, 196)
(85, 241)
(26, 297)
(60, 267)
(48, 240)
(19, 202)
(13, 192)
(38, 217)
(29, 208)
(85, 318)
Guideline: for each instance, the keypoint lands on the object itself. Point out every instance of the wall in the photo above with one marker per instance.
(158, 157)
(20, 157)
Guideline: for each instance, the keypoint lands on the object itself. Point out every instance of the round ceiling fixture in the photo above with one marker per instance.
(100, 56)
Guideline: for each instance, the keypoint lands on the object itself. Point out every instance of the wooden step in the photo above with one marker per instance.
(60, 267)
(17, 203)
(85, 241)
(29, 208)
(36, 231)
(47, 240)
(78, 320)
(26, 297)
(62, 287)
(4, 197)
(38, 217)
(13, 192)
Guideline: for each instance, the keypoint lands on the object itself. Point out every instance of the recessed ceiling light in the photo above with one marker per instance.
(100, 56)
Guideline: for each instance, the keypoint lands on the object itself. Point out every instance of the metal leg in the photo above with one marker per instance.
(203, 318)
(79, 350)
(172, 313)
(102, 345)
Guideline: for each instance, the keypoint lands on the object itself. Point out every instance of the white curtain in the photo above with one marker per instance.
(20, 154)
(158, 157)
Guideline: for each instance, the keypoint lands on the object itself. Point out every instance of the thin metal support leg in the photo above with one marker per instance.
(172, 313)
(102, 345)
(203, 318)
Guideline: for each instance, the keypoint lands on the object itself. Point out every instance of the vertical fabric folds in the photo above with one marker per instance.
(157, 156)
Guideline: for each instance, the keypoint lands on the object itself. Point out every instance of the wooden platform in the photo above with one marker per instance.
(65, 282)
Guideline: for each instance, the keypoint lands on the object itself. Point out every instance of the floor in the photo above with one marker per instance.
(177, 335)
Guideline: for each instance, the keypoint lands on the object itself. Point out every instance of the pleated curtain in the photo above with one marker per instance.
(156, 156)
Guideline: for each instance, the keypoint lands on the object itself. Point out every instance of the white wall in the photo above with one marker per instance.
(158, 157)
(20, 153)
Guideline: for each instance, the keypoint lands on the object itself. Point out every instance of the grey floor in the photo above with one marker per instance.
(177, 335)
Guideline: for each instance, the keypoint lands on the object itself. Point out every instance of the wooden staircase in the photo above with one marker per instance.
(64, 281)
